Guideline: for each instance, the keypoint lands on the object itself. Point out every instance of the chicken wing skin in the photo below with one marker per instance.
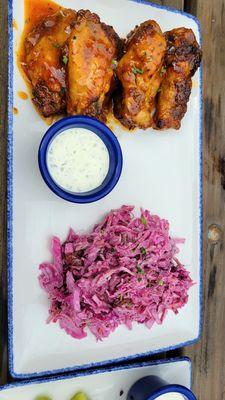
(43, 62)
(93, 49)
(182, 60)
(140, 76)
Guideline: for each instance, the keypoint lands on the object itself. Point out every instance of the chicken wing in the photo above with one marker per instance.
(43, 63)
(93, 49)
(140, 74)
(182, 60)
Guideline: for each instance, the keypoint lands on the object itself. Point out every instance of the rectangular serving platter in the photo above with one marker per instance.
(109, 383)
(162, 172)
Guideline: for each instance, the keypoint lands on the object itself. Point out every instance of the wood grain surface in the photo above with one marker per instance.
(208, 356)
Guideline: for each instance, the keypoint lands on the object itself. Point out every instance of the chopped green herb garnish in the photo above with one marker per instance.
(63, 90)
(140, 270)
(129, 304)
(143, 220)
(56, 45)
(136, 70)
(149, 58)
(74, 38)
(114, 62)
(96, 106)
(161, 283)
(149, 285)
(65, 59)
(159, 90)
(162, 71)
(120, 297)
(139, 279)
(143, 251)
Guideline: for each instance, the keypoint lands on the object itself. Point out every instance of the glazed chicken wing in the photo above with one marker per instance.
(140, 74)
(182, 60)
(43, 62)
(92, 52)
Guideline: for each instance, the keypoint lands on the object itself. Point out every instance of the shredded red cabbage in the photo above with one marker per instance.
(124, 271)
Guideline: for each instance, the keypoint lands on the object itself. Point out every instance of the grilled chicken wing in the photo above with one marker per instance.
(182, 60)
(140, 74)
(92, 51)
(43, 63)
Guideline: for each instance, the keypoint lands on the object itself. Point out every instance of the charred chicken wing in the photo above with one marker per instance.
(43, 63)
(182, 60)
(92, 52)
(140, 75)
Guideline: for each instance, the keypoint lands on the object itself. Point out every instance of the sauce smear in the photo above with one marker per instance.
(35, 10)
(14, 24)
(22, 95)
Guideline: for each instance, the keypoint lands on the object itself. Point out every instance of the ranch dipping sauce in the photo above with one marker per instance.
(171, 396)
(78, 160)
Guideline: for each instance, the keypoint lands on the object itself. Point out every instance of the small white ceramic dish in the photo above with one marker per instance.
(109, 383)
(162, 172)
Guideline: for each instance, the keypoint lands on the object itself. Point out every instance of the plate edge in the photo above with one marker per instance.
(10, 214)
(104, 370)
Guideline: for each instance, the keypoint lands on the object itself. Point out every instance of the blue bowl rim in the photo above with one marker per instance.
(180, 389)
(105, 134)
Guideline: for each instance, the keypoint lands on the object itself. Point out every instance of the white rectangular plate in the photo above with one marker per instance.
(162, 172)
(101, 384)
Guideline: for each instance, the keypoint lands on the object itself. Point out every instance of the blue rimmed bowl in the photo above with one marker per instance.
(152, 388)
(110, 141)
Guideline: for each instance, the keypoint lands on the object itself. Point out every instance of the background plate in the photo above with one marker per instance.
(162, 172)
(101, 384)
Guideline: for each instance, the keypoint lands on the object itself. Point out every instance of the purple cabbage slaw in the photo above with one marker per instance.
(124, 271)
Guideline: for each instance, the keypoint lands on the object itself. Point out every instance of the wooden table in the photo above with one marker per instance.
(208, 356)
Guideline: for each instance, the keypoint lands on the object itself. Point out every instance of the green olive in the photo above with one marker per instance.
(43, 398)
(79, 396)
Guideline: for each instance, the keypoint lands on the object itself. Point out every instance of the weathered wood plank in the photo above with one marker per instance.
(208, 356)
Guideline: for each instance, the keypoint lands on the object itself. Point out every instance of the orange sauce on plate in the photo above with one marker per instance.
(22, 95)
(34, 12)
(14, 24)
(15, 111)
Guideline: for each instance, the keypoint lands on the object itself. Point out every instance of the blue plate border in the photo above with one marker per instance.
(100, 371)
(10, 219)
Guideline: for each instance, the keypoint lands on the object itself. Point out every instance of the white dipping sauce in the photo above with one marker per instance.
(171, 396)
(78, 160)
